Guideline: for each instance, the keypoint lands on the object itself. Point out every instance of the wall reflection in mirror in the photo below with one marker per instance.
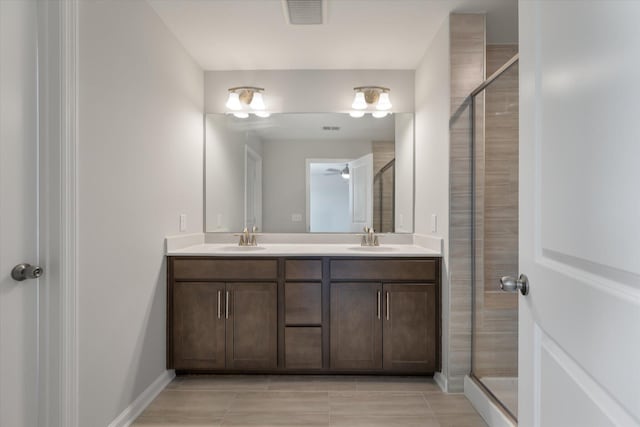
(309, 172)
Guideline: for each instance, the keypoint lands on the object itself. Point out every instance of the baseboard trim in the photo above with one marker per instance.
(441, 380)
(131, 412)
(489, 410)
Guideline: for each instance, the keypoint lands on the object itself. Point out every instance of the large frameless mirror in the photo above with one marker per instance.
(309, 172)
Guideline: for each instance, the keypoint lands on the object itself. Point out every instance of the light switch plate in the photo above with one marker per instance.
(183, 222)
(434, 223)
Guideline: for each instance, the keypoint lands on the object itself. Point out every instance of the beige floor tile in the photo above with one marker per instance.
(449, 404)
(245, 400)
(378, 403)
(273, 420)
(312, 383)
(198, 404)
(461, 420)
(382, 421)
(396, 384)
(182, 421)
(220, 382)
(276, 402)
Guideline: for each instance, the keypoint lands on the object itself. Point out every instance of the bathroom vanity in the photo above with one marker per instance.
(278, 311)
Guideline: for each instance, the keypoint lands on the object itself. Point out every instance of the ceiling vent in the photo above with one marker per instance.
(305, 12)
(331, 128)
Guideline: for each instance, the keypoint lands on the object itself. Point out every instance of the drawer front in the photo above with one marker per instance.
(303, 303)
(221, 269)
(303, 269)
(303, 348)
(372, 269)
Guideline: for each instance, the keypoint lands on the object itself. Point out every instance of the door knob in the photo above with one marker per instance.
(510, 284)
(26, 271)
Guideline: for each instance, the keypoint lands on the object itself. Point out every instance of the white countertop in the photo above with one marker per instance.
(303, 249)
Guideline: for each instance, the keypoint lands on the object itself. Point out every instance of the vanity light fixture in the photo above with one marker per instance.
(371, 95)
(246, 99)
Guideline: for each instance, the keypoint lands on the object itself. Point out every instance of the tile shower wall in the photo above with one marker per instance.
(383, 153)
(496, 334)
(467, 61)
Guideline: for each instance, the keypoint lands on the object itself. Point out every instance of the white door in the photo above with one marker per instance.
(18, 213)
(579, 331)
(361, 192)
(252, 189)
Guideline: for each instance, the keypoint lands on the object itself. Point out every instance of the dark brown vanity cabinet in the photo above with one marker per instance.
(409, 327)
(214, 325)
(356, 326)
(198, 328)
(303, 315)
(388, 319)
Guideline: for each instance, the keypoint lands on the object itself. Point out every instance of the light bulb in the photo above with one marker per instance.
(233, 103)
(359, 103)
(262, 114)
(379, 114)
(241, 115)
(383, 101)
(257, 103)
(345, 172)
(356, 114)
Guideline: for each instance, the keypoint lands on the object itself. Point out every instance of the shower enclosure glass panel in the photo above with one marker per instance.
(494, 168)
(384, 198)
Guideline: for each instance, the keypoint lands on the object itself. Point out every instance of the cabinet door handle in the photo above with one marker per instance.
(219, 304)
(379, 308)
(387, 305)
(226, 306)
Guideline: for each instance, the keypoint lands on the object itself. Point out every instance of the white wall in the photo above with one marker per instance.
(309, 91)
(432, 104)
(225, 152)
(404, 173)
(284, 166)
(140, 166)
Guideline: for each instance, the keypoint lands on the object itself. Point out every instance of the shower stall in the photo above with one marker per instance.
(384, 198)
(492, 111)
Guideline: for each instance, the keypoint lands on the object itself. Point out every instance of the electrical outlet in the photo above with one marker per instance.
(183, 222)
(434, 223)
(296, 217)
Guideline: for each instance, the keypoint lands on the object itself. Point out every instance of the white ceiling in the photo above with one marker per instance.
(359, 34)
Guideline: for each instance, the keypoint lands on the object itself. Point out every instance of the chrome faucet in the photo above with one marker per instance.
(369, 238)
(248, 238)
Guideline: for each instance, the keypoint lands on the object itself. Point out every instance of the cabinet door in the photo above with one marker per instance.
(410, 334)
(356, 326)
(252, 325)
(198, 326)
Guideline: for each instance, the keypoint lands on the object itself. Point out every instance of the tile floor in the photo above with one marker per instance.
(269, 400)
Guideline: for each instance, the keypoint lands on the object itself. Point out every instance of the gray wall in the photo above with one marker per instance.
(432, 158)
(140, 166)
(225, 151)
(283, 167)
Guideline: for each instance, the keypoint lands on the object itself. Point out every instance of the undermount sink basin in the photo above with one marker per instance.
(242, 248)
(371, 249)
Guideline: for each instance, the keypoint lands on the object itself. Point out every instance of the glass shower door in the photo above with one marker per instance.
(495, 225)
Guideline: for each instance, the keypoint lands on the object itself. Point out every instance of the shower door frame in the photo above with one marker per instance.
(471, 101)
